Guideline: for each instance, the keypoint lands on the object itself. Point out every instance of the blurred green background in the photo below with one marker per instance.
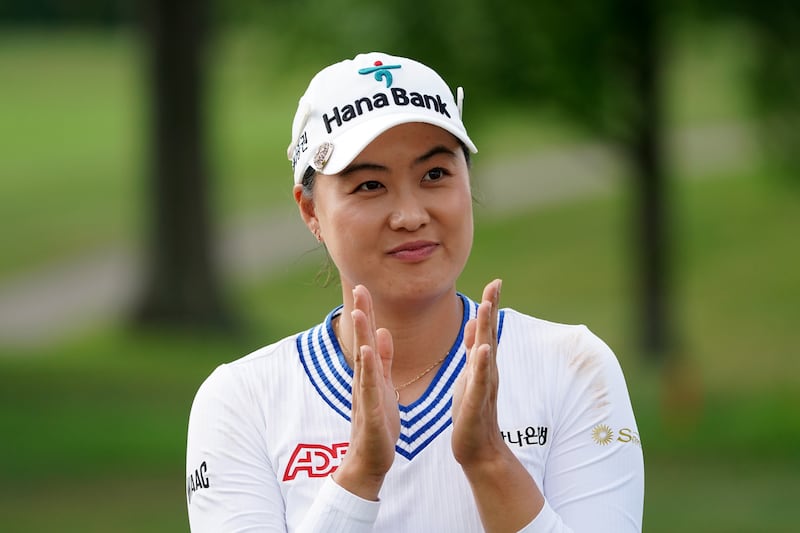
(94, 403)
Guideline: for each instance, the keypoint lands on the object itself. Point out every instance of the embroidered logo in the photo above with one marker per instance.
(382, 72)
(316, 460)
(602, 434)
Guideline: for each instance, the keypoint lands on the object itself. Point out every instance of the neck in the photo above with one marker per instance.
(422, 332)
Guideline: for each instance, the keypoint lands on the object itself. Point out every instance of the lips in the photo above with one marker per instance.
(414, 251)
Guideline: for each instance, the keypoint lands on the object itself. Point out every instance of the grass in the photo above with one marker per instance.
(94, 429)
(707, 74)
(70, 135)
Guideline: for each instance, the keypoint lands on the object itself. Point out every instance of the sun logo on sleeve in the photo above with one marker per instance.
(602, 434)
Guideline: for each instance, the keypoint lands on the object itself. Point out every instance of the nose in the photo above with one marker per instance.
(409, 213)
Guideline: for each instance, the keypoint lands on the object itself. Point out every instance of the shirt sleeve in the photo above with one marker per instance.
(231, 484)
(337, 510)
(237, 489)
(594, 478)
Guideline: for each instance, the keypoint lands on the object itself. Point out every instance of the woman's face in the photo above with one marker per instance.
(398, 219)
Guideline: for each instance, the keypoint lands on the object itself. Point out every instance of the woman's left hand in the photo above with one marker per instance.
(506, 495)
(476, 434)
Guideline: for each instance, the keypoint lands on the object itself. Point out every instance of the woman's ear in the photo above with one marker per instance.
(305, 204)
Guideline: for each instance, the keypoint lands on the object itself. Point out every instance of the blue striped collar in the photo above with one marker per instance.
(421, 421)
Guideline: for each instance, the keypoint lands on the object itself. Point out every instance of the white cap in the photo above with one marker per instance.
(350, 103)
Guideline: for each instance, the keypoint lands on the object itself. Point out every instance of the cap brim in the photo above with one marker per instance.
(352, 142)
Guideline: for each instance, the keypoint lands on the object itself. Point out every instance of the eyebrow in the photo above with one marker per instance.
(436, 150)
(361, 166)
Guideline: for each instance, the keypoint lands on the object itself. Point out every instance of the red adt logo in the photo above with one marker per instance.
(316, 460)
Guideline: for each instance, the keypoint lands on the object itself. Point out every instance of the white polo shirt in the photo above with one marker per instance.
(266, 432)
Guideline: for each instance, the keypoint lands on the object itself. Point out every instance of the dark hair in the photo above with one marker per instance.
(308, 180)
(308, 176)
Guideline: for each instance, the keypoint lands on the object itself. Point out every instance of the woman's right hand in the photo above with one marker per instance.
(375, 418)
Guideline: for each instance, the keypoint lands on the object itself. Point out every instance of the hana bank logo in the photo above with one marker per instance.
(382, 72)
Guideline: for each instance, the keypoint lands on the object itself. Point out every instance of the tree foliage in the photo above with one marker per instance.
(62, 12)
(572, 54)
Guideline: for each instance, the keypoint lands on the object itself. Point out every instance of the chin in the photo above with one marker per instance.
(415, 290)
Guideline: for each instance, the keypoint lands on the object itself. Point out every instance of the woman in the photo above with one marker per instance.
(410, 407)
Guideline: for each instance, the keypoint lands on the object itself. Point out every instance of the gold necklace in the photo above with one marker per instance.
(419, 376)
(407, 383)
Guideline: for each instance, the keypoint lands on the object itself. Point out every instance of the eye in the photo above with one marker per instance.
(371, 185)
(435, 174)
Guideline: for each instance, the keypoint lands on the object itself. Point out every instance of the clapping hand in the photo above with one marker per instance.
(375, 419)
(476, 435)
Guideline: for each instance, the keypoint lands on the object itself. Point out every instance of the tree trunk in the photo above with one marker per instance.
(652, 243)
(182, 285)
